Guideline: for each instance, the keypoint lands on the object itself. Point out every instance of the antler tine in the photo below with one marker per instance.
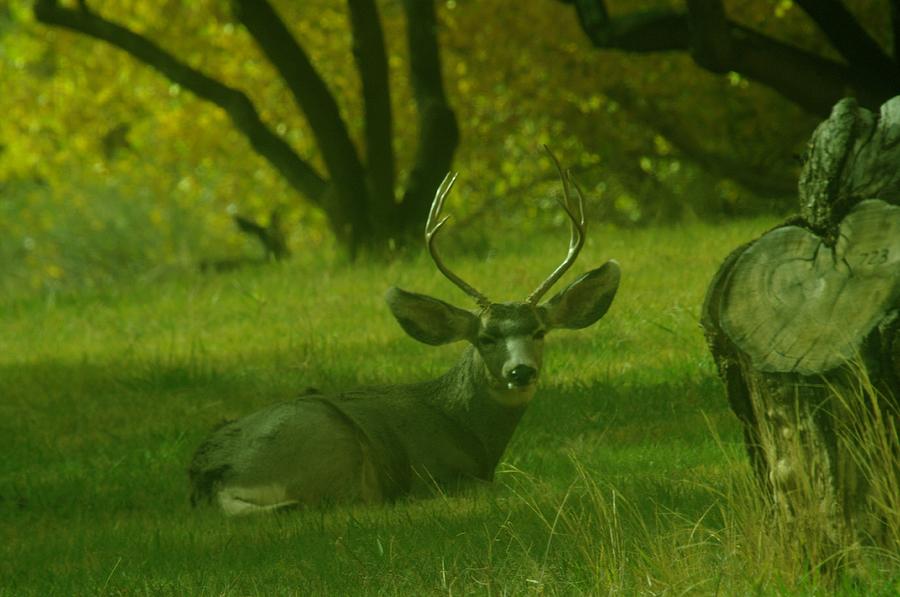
(433, 225)
(576, 241)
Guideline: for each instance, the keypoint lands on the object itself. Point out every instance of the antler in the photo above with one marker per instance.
(578, 229)
(431, 229)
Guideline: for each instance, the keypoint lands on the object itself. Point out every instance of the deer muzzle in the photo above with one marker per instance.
(520, 376)
(522, 364)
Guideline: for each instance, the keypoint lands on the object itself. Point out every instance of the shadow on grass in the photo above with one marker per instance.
(604, 485)
(88, 437)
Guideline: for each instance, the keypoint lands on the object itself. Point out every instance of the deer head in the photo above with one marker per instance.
(508, 337)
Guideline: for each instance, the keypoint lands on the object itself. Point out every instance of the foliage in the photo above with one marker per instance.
(89, 128)
(614, 482)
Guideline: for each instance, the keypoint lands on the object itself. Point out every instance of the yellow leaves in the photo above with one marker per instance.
(80, 144)
(463, 84)
(44, 221)
(591, 103)
(156, 216)
(19, 12)
(185, 185)
(515, 84)
(783, 7)
(661, 145)
(728, 191)
(735, 79)
(53, 271)
(628, 205)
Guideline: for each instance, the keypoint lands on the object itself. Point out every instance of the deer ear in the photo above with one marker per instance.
(430, 320)
(585, 300)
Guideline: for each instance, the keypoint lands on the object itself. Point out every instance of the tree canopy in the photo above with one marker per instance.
(106, 161)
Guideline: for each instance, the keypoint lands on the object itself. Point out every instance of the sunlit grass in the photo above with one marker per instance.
(626, 476)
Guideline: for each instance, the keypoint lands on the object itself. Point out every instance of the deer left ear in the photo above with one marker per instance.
(584, 301)
(430, 320)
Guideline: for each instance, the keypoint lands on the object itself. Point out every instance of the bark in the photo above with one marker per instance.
(802, 318)
(438, 131)
(852, 156)
(711, 44)
(719, 44)
(737, 389)
(649, 31)
(848, 37)
(349, 215)
(371, 61)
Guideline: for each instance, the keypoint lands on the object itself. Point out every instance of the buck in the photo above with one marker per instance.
(378, 444)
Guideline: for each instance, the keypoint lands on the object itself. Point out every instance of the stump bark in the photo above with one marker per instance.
(803, 325)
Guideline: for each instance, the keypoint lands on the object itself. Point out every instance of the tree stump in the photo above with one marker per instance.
(803, 325)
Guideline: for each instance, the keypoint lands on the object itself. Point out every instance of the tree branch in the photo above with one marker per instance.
(711, 45)
(850, 39)
(649, 31)
(811, 81)
(235, 103)
(349, 216)
(371, 61)
(438, 132)
(766, 182)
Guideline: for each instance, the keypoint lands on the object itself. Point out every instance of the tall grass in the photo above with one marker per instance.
(742, 543)
(626, 476)
(866, 423)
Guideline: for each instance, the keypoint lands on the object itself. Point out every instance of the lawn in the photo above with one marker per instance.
(626, 476)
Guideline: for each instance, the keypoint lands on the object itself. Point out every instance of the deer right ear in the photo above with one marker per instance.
(430, 320)
(585, 300)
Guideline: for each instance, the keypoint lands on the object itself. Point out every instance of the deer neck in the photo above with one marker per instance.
(468, 395)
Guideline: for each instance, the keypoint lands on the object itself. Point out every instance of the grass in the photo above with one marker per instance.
(626, 476)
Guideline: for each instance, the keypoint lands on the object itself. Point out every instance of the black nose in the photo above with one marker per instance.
(522, 375)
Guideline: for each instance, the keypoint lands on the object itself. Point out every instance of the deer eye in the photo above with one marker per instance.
(486, 340)
(539, 335)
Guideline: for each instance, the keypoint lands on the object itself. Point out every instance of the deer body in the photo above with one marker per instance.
(380, 443)
(370, 445)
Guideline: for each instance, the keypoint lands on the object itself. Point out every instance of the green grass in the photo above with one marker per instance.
(626, 475)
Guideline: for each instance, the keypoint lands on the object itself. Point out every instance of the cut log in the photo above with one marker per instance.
(796, 305)
(804, 326)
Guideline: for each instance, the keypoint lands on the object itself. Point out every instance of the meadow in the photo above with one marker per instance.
(626, 476)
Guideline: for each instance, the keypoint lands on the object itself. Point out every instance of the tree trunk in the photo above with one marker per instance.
(438, 130)
(358, 199)
(803, 325)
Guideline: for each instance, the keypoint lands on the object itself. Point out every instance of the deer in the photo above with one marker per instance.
(379, 444)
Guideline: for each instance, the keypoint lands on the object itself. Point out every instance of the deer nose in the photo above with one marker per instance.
(521, 375)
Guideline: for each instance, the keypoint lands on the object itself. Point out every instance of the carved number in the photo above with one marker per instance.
(876, 257)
